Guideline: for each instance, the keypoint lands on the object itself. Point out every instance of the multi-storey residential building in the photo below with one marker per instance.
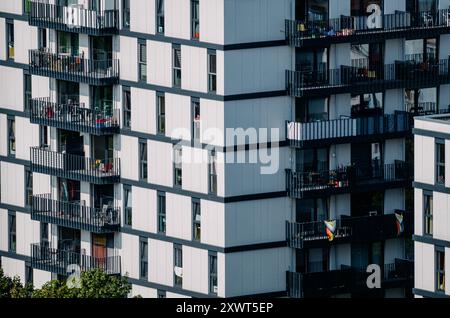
(431, 230)
(115, 153)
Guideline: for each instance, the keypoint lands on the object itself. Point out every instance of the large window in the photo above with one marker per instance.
(128, 205)
(28, 187)
(421, 50)
(11, 137)
(143, 160)
(161, 112)
(142, 60)
(161, 206)
(177, 66)
(12, 243)
(212, 274)
(310, 110)
(10, 39)
(311, 10)
(195, 19)
(160, 16)
(177, 166)
(440, 161)
(196, 220)
(126, 105)
(44, 241)
(43, 137)
(126, 14)
(178, 265)
(143, 258)
(213, 172)
(440, 269)
(26, 92)
(312, 160)
(428, 213)
(212, 71)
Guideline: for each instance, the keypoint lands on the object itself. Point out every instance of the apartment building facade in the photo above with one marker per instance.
(106, 103)
(431, 237)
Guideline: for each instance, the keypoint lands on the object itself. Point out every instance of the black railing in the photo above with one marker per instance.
(369, 228)
(74, 116)
(348, 279)
(75, 215)
(63, 262)
(73, 18)
(364, 79)
(74, 68)
(68, 166)
(356, 28)
(345, 128)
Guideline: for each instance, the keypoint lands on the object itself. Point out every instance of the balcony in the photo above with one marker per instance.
(356, 29)
(74, 68)
(363, 79)
(75, 215)
(73, 19)
(74, 117)
(348, 279)
(74, 167)
(348, 130)
(354, 178)
(363, 229)
(61, 262)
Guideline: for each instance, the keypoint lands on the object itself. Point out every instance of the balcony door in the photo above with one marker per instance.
(423, 12)
(367, 203)
(311, 210)
(102, 100)
(310, 110)
(102, 148)
(311, 10)
(99, 250)
(69, 240)
(313, 65)
(68, 43)
(312, 160)
(68, 93)
(103, 196)
(368, 160)
(312, 260)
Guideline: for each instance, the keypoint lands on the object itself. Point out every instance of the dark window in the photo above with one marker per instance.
(126, 104)
(161, 212)
(196, 119)
(42, 39)
(440, 270)
(26, 92)
(28, 187)
(12, 232)
(177, 66)
(44, 234)
(142, 49)
(126, 14)
(212, 71)
(196, 220)
(143, 258)
(213, 274)
(440, 161)
(161, 112)
(128, 206)
(143, 159)
(26, 6)
(28, 274)
(178, 265)
(177, 166)
(10, 39)
(213, 172)
(43, 136)
(161, 293)
(11, 137)
(428, 213)
(160, 16)
(195, 19)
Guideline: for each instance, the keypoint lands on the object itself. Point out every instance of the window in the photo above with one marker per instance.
(128, 206)
(212, 72)
(42, 39)
(143, 258)
(11, 137)
(177, 66)
(196, 220)
(125, 14)
(26, 92)
(440, 161)
(12, 231)
(161, 293)
(213, 172)
(28, 274)
(440, 269)
(10, 39)
(44, 234)
(43, 137)
(143, 159)
(142, 60)
(177, 166)
(428, 213)
(26, 6)
(178, 265)
(161, 212)
(28, 187)
(160, 16)
(195, 20)
(126, 108)
(213, 274)
(196, 119)
(161, 112)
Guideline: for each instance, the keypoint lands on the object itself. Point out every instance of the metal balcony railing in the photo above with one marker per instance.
(357, 29)
(74, 167)
(62, 261)
(74, 68)
(73, 18)
(75, 215)
(74, 116)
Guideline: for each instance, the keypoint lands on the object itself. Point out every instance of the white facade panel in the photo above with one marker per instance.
(25, 38)
(27, 135)
(3, 230)
(424, 149)
(142, 16)
(3, 36)
(194, 69)
(212, 21)
(418, 212)
(128, 58)
(179, 216)
(159, 62)
(143, 110)
(144, 292)
(424, 266)
(3, 135)
(144, 209)
(11, 81)
(178, 19)
(28, 232)
(11, 6)
(40, 86)
(195, 269)
(129, 158)
(13, 267)
(195, 169)
(12, 193)
(212, 223)
(441, 219)
(160, 262)
(40, 278)
(160, 163)
(130, 255)
(178, 116)
(212, 114)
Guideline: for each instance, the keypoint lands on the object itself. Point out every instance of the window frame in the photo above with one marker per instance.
(160, 16)
(143, 258)
(212, 76)
(10, 40)
(212, 275)
(126, 17)
(12, 232)
(43, 137)
(176, 69)
(196, 122)
(212, 172)
(28, 187)
(177, 262)
(177, 166)
(43, 229)
(161, 212)
(127, 210)
(196, 224)
(143, 160)
(195, 20)
(161, 113)
(440, 166)
(142, 60)
(27, 92)
(12, 147)
(126, 111)
(438, 271)
(428, 213)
